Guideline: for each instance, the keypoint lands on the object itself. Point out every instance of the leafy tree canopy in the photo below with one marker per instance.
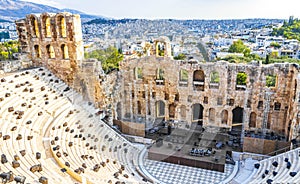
(110, 58)
(7, 49)
(289, 30)
(239, 47)
(180, 56)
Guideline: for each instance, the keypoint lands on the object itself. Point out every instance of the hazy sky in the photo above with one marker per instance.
(182, 9)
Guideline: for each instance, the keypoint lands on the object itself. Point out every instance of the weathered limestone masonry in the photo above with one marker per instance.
(160, 87)
(55, 42)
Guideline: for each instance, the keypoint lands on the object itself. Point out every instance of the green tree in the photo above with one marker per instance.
(239, 47)
(271, 81)
(214, 77)
(110, 58)
(7, 49)
(241, 78)
(290, 29)
(180, 56)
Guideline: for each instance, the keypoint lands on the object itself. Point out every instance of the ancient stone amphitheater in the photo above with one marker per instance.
(53, 127)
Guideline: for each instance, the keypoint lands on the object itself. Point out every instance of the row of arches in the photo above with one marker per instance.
(46, 26)
(214, 78)
(197, 114)
(51, 52)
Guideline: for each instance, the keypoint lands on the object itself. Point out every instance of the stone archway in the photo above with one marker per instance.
(212, 115)
(252, 120)
(172, 110)
(197, 113)
(237, 118)
(160, 108)
(224, 117)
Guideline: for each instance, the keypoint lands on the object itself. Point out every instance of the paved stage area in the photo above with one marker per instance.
(173, 174)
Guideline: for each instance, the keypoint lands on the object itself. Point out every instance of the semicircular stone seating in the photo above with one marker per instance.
(282, 168)
(44, 133)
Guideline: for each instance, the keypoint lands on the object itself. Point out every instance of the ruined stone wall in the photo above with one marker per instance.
(139, 96)
(55, 42)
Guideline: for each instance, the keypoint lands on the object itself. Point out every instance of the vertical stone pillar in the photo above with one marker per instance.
(146, 104)
(135, 100)
(130, 101)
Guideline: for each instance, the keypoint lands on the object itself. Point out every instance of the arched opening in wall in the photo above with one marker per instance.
(252, 120)
(160, 76)
(197, 113)
(46, 25)
(241, 81)
(35, 27)
(64, 51)
(277, 106)
(237, 118)
(61, 22)
(50, 51)
(172, 111)
(37, 51)
(160, 109)
(139, 107)
(271, 81)
(224, 116)
(183, 77)
(160, 49)
(212, 115)
(119, 111)
(198, 80)
(183, 111)
(138, 73)
(214, 80)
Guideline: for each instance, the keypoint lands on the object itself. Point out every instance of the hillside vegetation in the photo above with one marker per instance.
(289, 30)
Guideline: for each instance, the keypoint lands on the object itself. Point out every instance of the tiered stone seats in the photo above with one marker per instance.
(39, 115)
(275, 170)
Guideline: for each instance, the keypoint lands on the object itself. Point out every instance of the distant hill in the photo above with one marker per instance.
(2, 20)
(16, 9)
(110, 21)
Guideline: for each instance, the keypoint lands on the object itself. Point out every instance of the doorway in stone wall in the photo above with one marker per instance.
(237, 118)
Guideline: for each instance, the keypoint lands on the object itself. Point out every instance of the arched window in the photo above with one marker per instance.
(62, 26)
(46, 26)
(37, 51)
(160, 49)
(160, 74)
(214, 77)
(183, 111)
(212, 114)
(50, 51)
(172, 111)
(252, 120)
(183, 75)
(139, 107)
(34, 26)
(198, 80)
(224, 117)
(197, 112)
(271, 81)
(160, 109)
(237, 118)
(65, 51)
(241, 81)
(138, 72)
